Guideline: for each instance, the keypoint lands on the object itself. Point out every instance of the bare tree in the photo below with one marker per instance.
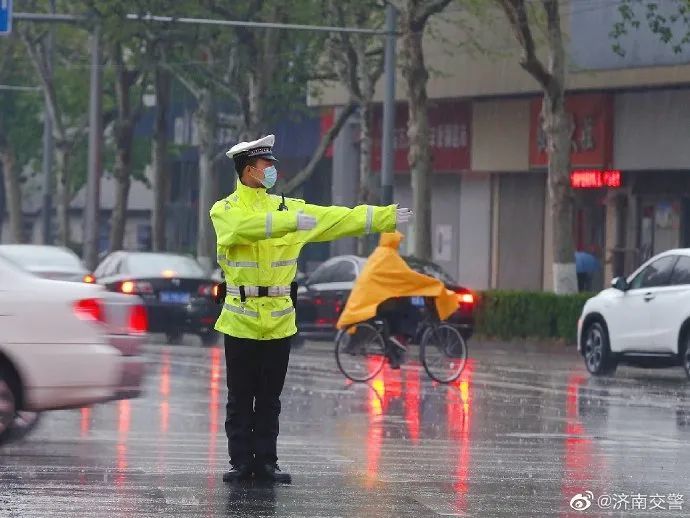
(8, 159)
(66, 135)
(557, 125)
(12, 188)
(357, 60)
(414, 16)
(159, 156)
(202, 88)
(125, 121)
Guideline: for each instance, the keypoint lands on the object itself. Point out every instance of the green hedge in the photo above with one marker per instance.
(518, 314)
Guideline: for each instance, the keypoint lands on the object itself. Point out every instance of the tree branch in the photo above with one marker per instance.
(430, 8)
(36, 55)
(556, 49)
(326, 141)
(516, 13)
(192, 87)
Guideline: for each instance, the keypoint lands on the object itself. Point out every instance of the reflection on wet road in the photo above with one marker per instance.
(519, 434)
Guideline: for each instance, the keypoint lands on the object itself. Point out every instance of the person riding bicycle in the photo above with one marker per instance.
(381, 290)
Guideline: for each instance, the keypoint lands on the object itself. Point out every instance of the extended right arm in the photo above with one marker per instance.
(235, 226)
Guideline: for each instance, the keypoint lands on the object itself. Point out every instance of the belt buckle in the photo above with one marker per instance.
(263, 291)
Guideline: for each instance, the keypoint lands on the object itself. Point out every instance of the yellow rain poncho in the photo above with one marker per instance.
(385, 276)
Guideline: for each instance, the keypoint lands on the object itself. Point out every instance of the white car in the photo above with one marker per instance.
(642, 320)
(55, 350)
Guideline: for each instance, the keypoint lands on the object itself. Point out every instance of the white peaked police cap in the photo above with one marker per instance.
(262, 147)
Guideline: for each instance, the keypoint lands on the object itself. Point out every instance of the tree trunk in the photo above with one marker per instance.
(558, 130)
(254, 117)
(62, 192)
(364, 197)
(124, 135)
(119, 216)
(12, 194)
(419, 156)
(162, 83)
(558, 127)
(206, 122)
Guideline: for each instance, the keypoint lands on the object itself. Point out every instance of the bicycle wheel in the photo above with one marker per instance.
(443, 353)
(360, 354)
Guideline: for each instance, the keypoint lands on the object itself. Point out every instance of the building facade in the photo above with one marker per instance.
(491, 222)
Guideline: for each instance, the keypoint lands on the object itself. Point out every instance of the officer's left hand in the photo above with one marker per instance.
(402, 216)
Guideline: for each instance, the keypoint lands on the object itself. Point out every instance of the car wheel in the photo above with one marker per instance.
(8, 399)
(596, 351)
(24, 423)
(209, 339)
(685, 356)
(174, 337)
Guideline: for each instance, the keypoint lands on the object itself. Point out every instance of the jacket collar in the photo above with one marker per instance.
(250, 195)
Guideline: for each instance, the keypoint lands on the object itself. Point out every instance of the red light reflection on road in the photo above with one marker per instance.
(458, 413)
(85, 422)
(377, 395)
(213, 400)
(123, 425)
(412, 399)
(164, 390)
(580, 459)
(165, 375)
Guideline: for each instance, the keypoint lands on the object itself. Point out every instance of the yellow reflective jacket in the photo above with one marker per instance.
(259, 246)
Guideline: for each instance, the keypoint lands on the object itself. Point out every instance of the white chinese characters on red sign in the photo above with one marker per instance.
(449, 136)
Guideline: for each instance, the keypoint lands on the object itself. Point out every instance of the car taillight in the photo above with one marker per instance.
(89, 309)
(136, 287)
(89, 279)
(215, 290)
(138, 320)
(465, 298)
(208, 290)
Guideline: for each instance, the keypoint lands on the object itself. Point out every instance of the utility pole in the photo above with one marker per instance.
(47, 208)
(93, 181)
(387, 151)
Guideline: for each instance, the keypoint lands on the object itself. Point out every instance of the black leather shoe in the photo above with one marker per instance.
(271, 473)
(238, 473)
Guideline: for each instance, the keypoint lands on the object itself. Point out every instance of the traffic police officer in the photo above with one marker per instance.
(259, 237)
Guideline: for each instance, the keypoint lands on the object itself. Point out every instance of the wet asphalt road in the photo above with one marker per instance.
(523, 431)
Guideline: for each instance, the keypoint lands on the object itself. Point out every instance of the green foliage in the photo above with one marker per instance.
(668, 19)
(515, 314)
(20, 111)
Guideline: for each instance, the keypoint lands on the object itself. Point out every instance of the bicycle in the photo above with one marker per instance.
(362, 349)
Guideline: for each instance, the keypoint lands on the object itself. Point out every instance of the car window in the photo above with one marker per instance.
(681, 271)
(344, 271)
(104, 268)
(118, 266)
(166, 265)
(430, 269)
(655, 274)
(337, 271)
(322, 274)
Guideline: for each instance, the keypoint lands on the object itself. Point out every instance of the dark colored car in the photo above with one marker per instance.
(323, 296)
(176, 291)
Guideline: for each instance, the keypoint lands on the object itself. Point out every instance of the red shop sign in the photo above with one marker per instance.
(596, 179)
(592, 135)
(449, 136)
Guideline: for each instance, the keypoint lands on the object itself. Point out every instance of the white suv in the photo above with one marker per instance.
(643, 320)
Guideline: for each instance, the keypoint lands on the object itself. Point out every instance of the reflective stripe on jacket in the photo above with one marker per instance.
(259, 246)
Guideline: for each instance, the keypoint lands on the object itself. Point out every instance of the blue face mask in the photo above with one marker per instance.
(270, 177)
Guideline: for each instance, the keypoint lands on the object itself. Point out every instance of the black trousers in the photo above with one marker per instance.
(256, 374)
